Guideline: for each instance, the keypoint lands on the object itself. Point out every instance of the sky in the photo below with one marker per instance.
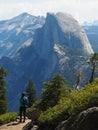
(81, 10)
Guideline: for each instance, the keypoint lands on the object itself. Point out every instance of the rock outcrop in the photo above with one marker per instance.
(86, 120)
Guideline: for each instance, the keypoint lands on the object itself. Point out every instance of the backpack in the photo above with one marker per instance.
(25, 101)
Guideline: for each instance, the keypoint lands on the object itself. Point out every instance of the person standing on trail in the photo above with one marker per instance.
(23, 106)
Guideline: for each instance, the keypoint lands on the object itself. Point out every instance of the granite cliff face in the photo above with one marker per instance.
(62, 29)
(60, 45)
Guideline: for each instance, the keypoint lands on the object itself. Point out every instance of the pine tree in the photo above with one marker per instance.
(3, 100)
(31, 91)
(53, 91)
(93, 61)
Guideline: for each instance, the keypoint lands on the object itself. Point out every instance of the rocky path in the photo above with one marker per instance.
(14, 125)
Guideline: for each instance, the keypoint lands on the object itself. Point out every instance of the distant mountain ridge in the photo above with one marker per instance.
(18, 31)
(58, 45)
(92, 33)
(93, 23)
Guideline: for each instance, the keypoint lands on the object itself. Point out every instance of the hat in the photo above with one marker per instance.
(24, 93)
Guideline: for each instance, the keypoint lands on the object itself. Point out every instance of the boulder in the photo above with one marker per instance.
(33, 114)
(86, 120)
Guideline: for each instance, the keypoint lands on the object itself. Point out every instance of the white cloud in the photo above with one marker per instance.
(82, 10)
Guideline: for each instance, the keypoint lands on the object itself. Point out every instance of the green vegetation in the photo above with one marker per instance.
(77, 101)
(93, 62)
(30, 89)
(51, 94)
(53, 91)
(58, 101)
(8, 117)
(51, 111)
(3, 101)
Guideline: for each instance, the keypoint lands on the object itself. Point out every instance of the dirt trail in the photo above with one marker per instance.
(14, 125)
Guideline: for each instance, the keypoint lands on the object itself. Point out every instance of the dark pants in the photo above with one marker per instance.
(22, 113)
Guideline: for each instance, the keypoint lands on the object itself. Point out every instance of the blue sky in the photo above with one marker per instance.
(81, 10)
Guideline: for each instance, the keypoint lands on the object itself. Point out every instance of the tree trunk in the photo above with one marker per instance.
(92, 74)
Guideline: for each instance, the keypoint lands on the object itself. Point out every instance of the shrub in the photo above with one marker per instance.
(8, 117)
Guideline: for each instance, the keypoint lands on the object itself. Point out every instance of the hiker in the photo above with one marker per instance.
(23, 106)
